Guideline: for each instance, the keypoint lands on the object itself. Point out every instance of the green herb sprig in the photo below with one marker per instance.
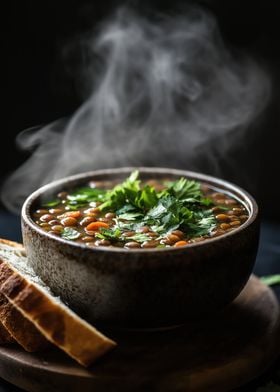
(271, 280)
(181, 205)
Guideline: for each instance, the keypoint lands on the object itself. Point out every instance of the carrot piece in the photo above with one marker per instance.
(93, 226)
(180, 243)
(73, 214)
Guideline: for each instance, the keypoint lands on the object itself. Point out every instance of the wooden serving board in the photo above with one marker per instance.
(218, 354)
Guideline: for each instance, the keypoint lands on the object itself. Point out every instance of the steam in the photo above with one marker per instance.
(159, 91)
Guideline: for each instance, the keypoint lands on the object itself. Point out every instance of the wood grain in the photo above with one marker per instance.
(218, 354)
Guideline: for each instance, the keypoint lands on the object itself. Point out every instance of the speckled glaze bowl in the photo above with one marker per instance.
(143, 287)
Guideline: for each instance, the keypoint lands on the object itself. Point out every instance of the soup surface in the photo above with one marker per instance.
(136, 214)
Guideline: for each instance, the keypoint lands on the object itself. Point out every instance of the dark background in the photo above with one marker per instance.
(39, 88)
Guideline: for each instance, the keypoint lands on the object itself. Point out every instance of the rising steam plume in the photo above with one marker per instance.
(159, 91)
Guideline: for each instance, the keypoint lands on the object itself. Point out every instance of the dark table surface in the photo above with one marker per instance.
(268, 262)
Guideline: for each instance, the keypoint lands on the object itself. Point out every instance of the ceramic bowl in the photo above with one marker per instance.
(143, 287)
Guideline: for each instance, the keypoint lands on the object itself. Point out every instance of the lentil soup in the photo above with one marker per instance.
(141, 215)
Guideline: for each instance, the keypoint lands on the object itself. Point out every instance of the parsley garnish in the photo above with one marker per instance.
(70, 234)
(181, 205)
(83, 196)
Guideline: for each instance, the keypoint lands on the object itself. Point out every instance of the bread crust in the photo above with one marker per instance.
(11, 243)
(19, 328)
(55, 321)
(5, 336)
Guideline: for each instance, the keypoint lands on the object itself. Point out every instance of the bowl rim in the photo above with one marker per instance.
(227, 186)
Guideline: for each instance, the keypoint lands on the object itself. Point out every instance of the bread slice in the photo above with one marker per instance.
(34, 300)
(5, 336)
(19, 328)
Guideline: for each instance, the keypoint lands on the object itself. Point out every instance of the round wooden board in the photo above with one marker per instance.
(218, 354)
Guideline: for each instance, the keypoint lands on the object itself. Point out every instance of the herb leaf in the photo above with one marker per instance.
(171, 213)
(52, 203)
(139, 237)
(203, 223)
(122, 194)
(83, 196)
(146, 198)
(86, 194)
(184, 189)
(131, 216)
(271, 280)
(70, 234)
(111, 234)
